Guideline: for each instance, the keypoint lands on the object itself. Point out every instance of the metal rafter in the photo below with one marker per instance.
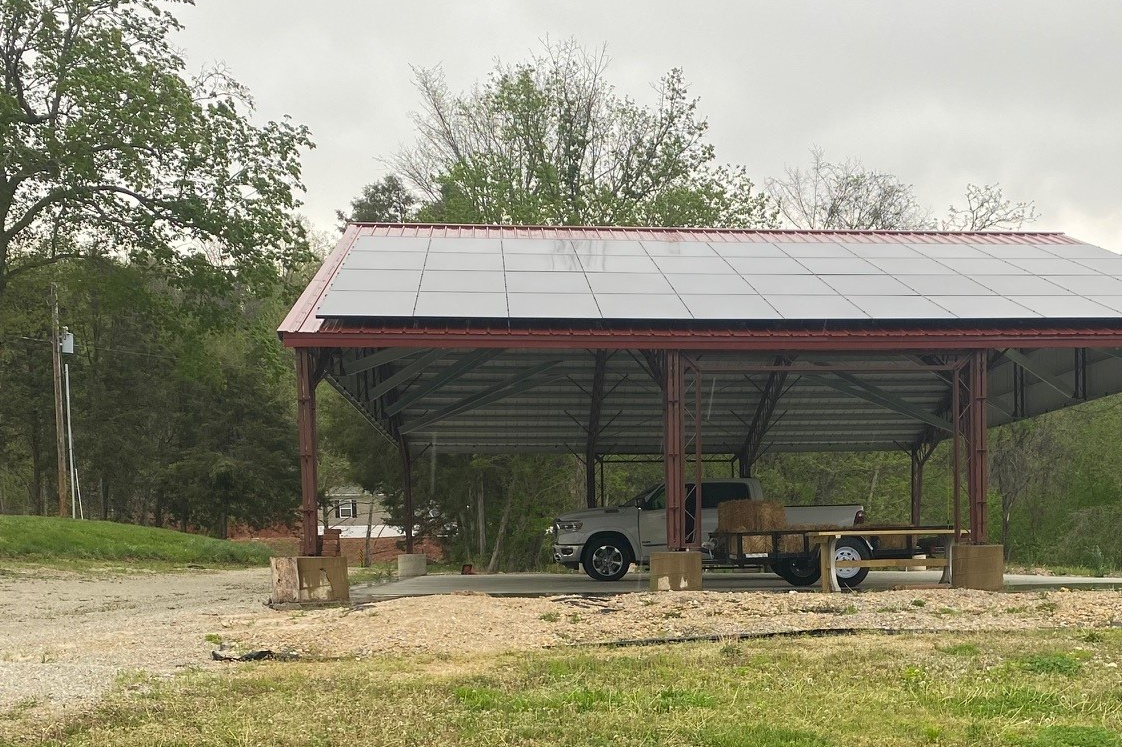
(454, 371)
(762, 420)
(528, 379)
(853, 386)
(367, 362)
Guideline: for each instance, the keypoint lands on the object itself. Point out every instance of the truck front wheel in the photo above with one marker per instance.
(606, 557)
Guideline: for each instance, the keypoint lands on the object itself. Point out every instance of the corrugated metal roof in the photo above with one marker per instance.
(705, 275)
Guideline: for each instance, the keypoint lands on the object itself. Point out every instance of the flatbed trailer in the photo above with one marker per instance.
(851, 552)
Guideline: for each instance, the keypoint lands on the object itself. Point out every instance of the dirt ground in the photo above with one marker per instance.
(65, 638)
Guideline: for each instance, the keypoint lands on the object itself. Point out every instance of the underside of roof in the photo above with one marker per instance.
(519, 400)
(470, 379)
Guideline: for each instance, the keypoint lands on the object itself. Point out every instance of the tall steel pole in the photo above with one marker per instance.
(60, 435)
(70, 440)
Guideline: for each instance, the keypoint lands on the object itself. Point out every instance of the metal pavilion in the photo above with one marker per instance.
(685, 342)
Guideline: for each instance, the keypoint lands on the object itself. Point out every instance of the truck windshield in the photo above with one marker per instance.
(642, 496)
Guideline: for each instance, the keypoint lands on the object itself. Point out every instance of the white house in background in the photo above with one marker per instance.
(349, 509)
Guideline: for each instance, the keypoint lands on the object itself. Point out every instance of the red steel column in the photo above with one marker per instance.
(697, 538)
(977, 458)
(673, 448)
(956, 447)
(306, 423)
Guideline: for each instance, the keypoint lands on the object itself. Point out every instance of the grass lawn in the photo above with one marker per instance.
(1037, 689)
(75, 544)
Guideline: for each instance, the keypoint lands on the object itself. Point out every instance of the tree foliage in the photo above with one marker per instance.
(549, 142)
(108, 147)
(385, 201)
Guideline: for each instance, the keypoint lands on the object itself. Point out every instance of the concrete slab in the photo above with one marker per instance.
(553, 584)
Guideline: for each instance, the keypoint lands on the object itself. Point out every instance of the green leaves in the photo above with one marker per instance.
(109, 145)
(550, 142)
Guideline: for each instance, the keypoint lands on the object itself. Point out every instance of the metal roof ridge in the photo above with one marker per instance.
(699, 229)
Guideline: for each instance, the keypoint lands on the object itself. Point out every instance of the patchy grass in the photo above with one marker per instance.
(1007, 690)
(83, 545)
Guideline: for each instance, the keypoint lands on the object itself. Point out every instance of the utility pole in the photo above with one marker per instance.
(60, 426)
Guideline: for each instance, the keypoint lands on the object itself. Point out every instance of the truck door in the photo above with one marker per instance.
(652, 524)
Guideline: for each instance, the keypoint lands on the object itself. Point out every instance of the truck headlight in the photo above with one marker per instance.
(568, 526)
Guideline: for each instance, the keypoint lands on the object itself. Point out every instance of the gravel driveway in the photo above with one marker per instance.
(65, 637)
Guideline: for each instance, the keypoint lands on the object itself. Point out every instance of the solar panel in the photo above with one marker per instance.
(716, 306)
(547, 282)
(367, 303)
(716, 284)
(899, 307)
(460, 305)
(464, 261)
(801, 249)
(749, 276)
(641, 306)
(553, 306)
(815, 307)
(458, 282)
(627, 282)
(790, 284)
(750, 266)
(710, 264)
(1064, 306)
(866, 285)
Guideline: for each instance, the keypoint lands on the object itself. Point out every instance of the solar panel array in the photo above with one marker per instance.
(532, 278)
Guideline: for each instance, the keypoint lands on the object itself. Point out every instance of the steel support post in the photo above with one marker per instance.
(596, 398)
(977, 457)
(695, 539)
(917, 485)
(956, 448)
(673, 450)
(919, 454)
(603, 494)
(306, 423)
(408, 518)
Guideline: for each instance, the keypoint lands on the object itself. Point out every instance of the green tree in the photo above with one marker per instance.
(108, 147)
(387, 201)
(550, 142)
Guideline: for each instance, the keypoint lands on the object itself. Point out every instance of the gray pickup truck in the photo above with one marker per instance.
(606, 541)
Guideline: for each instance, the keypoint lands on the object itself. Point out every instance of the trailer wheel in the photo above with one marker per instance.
(802, 572)
(851, 548)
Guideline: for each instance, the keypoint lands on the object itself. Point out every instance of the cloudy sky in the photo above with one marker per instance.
(1026, 93)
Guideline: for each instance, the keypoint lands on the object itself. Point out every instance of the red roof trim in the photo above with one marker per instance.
(447, 230)
(727, 338)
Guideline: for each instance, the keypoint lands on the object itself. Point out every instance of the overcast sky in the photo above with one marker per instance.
(1024, 93)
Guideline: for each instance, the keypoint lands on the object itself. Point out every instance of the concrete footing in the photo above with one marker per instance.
(310, 580)
(675, 571)
(978, 567)
(410, 565)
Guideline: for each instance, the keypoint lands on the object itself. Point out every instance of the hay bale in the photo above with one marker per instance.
(893, 541)
(750, 516)
(794, 542)
(790, 541)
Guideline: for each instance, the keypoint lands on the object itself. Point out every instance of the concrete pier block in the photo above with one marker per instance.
(676, 571)
(412, 565)
(310, 580)
(978, 567)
